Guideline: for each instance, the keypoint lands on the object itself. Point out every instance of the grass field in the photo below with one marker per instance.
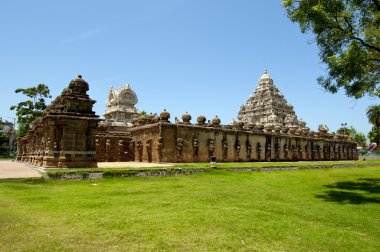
(305, 210)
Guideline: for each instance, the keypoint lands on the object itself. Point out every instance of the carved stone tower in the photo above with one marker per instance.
(267, 105)
(120, 106)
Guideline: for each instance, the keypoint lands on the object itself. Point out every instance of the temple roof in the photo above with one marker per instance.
(267, 105)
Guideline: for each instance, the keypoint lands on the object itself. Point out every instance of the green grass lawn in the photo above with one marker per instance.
(301, 164)
(304, 210)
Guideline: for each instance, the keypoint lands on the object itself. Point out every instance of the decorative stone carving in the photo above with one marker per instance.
(277, 128)
(238, 125)
(323, 129)
(143, 120)
(277, 151)
(286, 151)
(120, 106)
(225, 150)
(201, 120)
(164, 116)
(186, 118)
(140, 150)
(216, 121)
(237, 150)
(249, 150)
(258, 149)
(298, 131)
(211, 147)
(148, 146)
(249, 125)
(78, 86)
(108, 149)
(179, 148)
(268, 127)
(160, 146)
(195, 147)
(259, 127)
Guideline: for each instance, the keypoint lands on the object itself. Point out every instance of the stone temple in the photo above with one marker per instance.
(69, 134)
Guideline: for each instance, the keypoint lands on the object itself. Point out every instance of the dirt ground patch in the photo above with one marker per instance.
(13, 169)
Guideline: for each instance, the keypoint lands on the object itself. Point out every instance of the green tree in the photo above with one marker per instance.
(374, 135)
(373, 115)
(358, 137)
(348, 35)
(29, 110)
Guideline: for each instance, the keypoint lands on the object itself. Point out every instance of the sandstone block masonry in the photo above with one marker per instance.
(65, 134)
(162, 141)
(69, 134)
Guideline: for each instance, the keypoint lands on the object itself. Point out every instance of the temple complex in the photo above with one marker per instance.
(69, 134)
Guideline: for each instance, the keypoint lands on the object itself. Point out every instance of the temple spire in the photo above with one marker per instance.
(267, 105)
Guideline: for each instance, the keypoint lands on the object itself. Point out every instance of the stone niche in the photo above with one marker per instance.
(65, 134)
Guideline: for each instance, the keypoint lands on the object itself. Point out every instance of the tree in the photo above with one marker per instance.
(374, 135)
(29, 110)
(348, 36)
(373, 115)
(358, 137)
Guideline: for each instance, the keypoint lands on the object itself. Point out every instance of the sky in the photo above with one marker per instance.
(204, 57)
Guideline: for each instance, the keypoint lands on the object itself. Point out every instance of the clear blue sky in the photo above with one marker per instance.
(200, 56)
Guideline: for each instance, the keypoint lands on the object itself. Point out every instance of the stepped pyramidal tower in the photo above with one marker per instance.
(267, 105)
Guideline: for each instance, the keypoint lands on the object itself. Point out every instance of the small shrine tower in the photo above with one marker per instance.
(120, 106)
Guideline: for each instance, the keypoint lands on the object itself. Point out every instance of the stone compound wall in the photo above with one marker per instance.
(113, 146)
(65, 134)
(175, 143)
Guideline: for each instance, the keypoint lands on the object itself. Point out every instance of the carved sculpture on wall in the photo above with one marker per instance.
(211, 147)
(48, 144)
(294, 152)
(225, 150)
(140, 150)
(249, 149)
(307, 152)
(286, 152)
(160, 146)
(131, 148)
(299, 152)
(268, 151)
(237, 150)
(120, 150)
(277, 151)
(148, 146)
(96, 145)
(108, 150)
(179, 148)
(195, 147)
(58, 136)
(258, 149)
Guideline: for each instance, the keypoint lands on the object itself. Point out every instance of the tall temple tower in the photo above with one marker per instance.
(267, 105)
(120, 106)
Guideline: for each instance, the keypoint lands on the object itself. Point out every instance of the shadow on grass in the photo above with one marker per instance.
(353, 192)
